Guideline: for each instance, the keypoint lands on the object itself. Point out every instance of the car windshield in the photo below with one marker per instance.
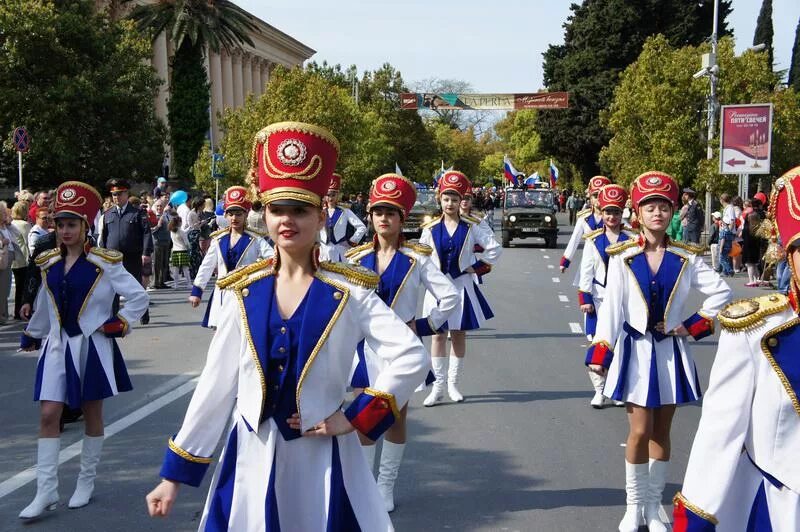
(426, 199)
(529, 198)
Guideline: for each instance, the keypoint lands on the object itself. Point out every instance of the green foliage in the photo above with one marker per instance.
(457, 149)
(83, 87)
(794, 67)
(602, 37)
(187, 108)
(764, 32)
(656, 117)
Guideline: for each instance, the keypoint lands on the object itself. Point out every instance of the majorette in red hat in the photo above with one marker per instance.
(612, 196)
(236, 198)
(394, 191)
(654, 184)
(784, 207)
(293, 162)
(598, 182)
(75, 199)
(336, 182)
(455, 181)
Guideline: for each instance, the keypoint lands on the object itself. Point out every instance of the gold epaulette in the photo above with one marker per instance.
(219, 232)
(108, 255)
(433, 222)
(593, 234)
(695, 249)
(242, 273)
(354, 273)
(621, 246)
(747, 314)
(253, 232)
(584, 213)
(352, 252)
(417, 247)
(470, 219)
(45, 256)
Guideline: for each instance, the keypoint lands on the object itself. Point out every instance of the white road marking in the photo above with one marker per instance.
(575, 327)
(545, 256)
(556, 280)
(563, 298)
(20, 479)
(550, 267)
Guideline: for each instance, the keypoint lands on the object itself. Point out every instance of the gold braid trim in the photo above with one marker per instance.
(691, 248)
(417, 247)
(354, 273)
(592, 234)
(781, 375)
(352, 252)
(619, 247)
(386, 396)
(242, 273)
(220, 232)
(470, 219)
(694, 509)
(584, 213)
(748, 314)
(46, 256)
(108, 255)
(186, 455)
(433, 222)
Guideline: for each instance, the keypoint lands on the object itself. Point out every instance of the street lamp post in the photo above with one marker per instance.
(710, 65)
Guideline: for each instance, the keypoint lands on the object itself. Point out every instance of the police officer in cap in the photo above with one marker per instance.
(127, 229)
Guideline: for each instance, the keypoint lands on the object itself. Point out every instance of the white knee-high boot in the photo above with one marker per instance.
(636, 484)
(598, 382)
(369, 454)
(653, 510)
(174, 271)
(90, 457)
(453, 376)
(440, 372)
(391, 457)
(46, 479)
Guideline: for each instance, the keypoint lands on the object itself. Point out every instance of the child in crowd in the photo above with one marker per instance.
(179, 258)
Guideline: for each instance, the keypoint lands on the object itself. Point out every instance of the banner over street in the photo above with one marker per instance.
(483, 102)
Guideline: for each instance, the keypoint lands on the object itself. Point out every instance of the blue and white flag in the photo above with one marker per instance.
(553, 174)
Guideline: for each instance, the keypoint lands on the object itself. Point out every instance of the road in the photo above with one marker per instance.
(524, 451)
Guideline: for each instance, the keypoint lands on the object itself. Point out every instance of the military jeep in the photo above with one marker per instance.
(425, 209)
(529, 214)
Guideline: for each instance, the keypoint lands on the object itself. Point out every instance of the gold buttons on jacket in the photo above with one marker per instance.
(280, 369)
(337, 296)
(772, 342)
(245, 292)
(97, 270)
(281, 349)
(283, 330)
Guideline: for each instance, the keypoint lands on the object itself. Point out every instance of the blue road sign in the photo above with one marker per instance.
(22, 140)
(216, 172)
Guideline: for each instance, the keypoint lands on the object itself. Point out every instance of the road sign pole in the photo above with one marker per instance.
(19, 161)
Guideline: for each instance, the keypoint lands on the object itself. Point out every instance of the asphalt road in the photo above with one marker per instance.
(524, 451)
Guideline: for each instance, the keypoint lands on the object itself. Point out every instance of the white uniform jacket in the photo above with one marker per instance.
(255, 247)
(343, 308)
(342, 231)
(592, 280)
(748, 440)
(467, 258)
(586, 222)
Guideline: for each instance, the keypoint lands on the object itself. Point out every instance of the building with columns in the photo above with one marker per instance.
(233, 76)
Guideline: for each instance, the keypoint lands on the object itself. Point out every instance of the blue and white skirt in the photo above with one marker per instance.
(77, 369)
(650, 373)
(266, 484)
(472, 310)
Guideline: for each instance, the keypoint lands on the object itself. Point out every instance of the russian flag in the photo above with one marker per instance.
(532, 179)
(511, 173)
(553, 174)
(438, 176)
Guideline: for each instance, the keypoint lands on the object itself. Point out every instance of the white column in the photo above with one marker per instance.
(217, 103)
(255, 72)
(265, 74)
(247, 73)
(161, 65)
(227, 80)
(238, 99)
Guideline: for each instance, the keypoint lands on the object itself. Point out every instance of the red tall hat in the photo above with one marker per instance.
(293, 162)
(336, 182)
(654, 184)
(236, 196)
(455, 181)
(77, 200)
(612, 196)
(598, 182)
(784, 207)
(393, 190)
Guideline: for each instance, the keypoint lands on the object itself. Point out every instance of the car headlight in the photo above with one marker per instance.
(548, 219)
(427, 218)
(512, 218)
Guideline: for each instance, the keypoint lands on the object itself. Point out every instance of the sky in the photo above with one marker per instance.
(494, 45)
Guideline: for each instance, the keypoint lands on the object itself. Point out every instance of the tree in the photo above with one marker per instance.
(83, 87)
(192, 26)
(764, 32)
(601, 38)
(794, 68)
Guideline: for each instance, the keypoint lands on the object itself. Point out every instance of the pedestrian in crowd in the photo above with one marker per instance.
(160, 188)
(126, 229)
(594, 268)
(193, 232)
(80, 362)
(727, 233)
(292, 454)
(692, 217)
(587, 221)
(573, 203)
(179, 256)
(10, 240)
(255, 218)
(640, 343)
(19, 268)
(488, 208)
(753, 245)
(738, 209)
(147, 263)
(466, 209)
(231, 248)
(406, 270)
(742, 472)
(713, 240)
(162, 242)
(40, 228)
(207, 218)
(453, 239)
(358, 206)
(182, 208)
(42, 199)
(562, 201)
(675, 229)
(343, 229)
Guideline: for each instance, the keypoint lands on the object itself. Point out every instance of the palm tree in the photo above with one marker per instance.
(194, 27)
